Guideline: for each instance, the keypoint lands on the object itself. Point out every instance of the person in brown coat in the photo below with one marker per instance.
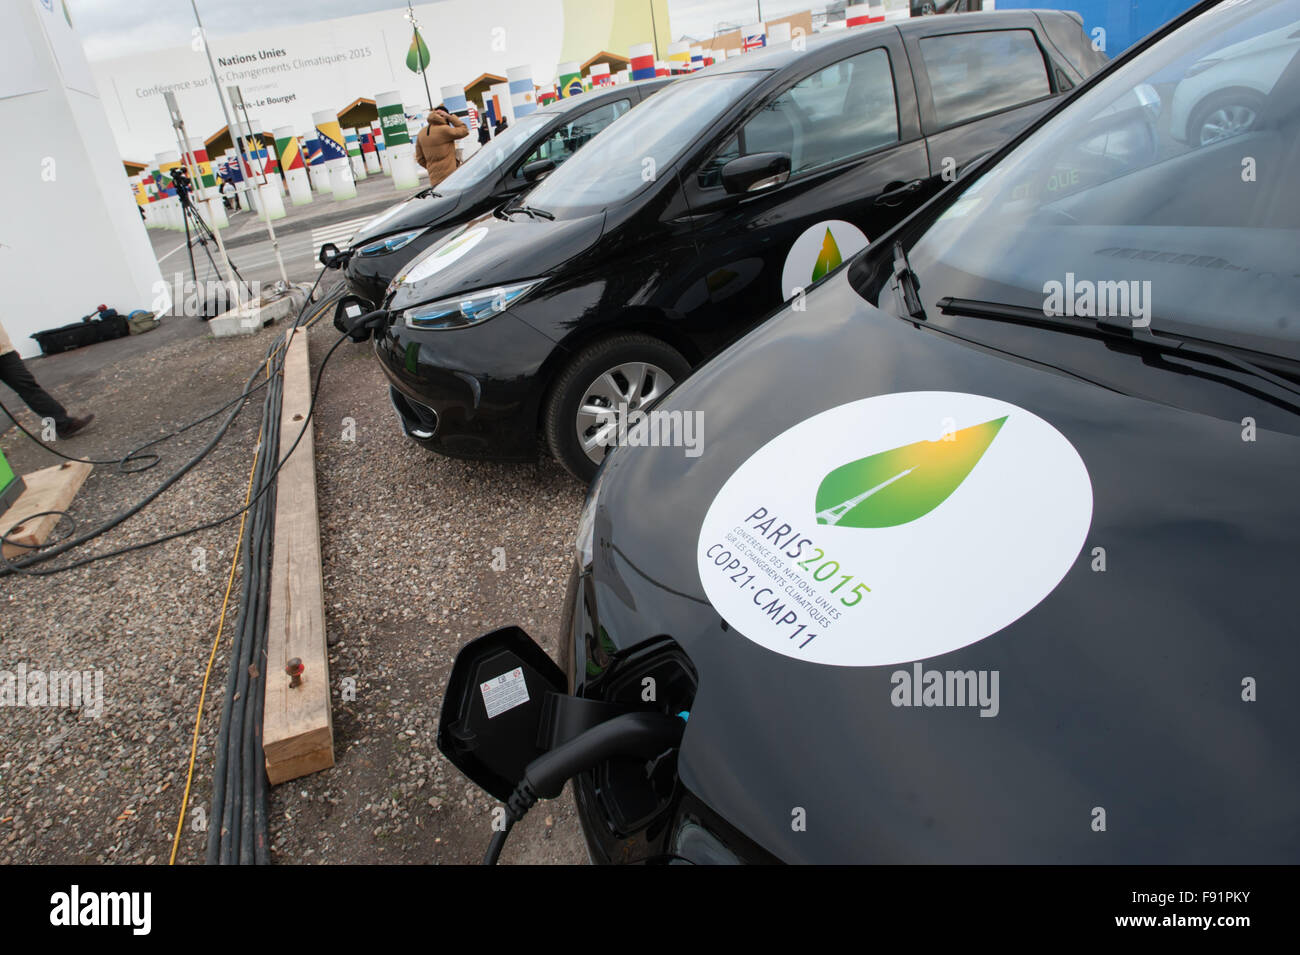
(435, 147)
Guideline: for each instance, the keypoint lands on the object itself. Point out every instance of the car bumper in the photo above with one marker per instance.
(623, 820)
(471, 392)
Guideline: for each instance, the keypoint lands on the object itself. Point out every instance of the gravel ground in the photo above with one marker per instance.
(409, 544)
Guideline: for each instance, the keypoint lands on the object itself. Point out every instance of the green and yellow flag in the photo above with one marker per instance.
(417, 57)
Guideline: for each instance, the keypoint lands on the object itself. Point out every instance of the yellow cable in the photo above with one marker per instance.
(221, 623)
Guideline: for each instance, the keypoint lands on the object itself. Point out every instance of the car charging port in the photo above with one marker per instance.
(635, 794)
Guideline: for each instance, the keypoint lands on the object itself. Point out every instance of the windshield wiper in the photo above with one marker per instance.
(907, 284)
(1108, 328)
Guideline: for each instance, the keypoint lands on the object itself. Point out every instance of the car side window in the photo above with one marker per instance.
(573, 135)
(974, 74)
(842, 111)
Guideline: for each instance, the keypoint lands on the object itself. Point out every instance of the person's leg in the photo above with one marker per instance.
(15, 374)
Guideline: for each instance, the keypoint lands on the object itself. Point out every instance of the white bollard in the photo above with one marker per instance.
(342, 182)
(399, 152)
(272, 206)
(216, 214)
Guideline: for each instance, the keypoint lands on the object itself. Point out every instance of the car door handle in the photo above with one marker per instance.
(896, 192)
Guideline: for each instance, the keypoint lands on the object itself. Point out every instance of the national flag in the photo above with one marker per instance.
(753, 37)
(417, 56)
(863, 13)
(600, 75)
(290, 154)
(331, 135)
(523, 95)
(453, 99)
(679, 56)
(642, 61)
(568, 79)
(204, 165)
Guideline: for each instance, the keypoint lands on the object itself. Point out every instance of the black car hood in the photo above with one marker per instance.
(1121, 690)
(415, 213)
(507, 250)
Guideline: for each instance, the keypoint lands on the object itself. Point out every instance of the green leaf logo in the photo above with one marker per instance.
(898, 486)
(417, 55)
(829, 257)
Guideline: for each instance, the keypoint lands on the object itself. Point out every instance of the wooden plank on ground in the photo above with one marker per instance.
(49, 489)
(298, 727)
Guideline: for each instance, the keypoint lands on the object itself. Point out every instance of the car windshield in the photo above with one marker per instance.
(493, 153)
(627, 156)
(1165, 193)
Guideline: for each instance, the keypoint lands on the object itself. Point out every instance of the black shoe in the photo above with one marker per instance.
(74, 425)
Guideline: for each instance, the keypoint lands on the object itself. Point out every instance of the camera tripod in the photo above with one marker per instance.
(202, 233)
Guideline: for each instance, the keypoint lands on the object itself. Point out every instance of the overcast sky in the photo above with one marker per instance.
(111, 28)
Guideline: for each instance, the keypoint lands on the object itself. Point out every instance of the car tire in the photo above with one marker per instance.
(600, 372)
(1231, 113)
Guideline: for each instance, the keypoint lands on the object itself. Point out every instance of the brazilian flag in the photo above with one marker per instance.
(417, 57)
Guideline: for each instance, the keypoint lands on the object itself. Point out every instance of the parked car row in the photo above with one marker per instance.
(988, 548)
(723, 195)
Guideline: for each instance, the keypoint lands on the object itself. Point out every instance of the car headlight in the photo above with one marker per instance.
(390, 243)
(468, 309)
(585, 540)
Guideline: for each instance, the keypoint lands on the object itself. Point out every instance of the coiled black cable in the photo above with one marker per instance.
(22, 565)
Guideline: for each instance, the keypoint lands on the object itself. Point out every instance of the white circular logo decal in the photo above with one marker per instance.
(895, 528)
(437, 259)
(819, 249)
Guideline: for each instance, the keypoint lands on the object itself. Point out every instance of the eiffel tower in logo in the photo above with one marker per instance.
(832, 515)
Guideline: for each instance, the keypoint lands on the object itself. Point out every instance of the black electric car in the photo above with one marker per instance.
(729, 192)
(990, 553)
(510, 164)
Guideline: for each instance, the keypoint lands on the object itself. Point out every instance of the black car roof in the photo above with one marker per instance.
(782, 55)
(598, 95)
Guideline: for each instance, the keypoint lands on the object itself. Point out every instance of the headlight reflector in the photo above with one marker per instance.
(468, 309)
(390, 243)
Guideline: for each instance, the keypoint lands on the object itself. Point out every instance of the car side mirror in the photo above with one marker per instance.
(495, 707)
(537, 169)
(330, 256)
(755, 173)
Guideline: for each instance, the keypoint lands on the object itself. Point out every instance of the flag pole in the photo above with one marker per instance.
(418, 40)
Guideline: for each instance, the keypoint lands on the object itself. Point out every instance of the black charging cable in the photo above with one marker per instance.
(21, 565)
(638, 735)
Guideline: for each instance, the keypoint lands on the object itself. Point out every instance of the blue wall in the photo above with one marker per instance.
(1125, 21)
